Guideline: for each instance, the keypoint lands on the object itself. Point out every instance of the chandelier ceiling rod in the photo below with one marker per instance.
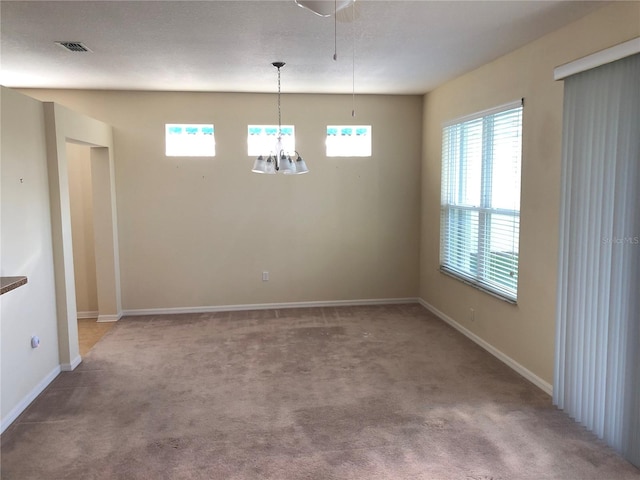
(279, 65)
(281, 161)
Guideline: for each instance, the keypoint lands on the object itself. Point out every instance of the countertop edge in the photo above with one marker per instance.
(11, 283)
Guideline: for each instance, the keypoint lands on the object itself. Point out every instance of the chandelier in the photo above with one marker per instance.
(278, 160)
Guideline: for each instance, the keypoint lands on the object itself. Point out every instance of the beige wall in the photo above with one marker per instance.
(200, 231)
(25, 250)
(81, 200)
(36, 242)
(524, 332)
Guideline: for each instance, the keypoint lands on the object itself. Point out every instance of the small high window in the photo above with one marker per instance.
(189, 140)
(348, 141)
(261, 139)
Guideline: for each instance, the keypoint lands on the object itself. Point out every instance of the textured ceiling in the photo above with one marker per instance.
(401, 47)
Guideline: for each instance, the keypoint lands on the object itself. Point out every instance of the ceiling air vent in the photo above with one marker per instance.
(74, 46)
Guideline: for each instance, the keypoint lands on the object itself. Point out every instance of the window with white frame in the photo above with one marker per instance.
(189, 140)
(262, 139)
(348, 140)
(480, 205)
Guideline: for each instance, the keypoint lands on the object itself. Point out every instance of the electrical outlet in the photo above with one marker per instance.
(265, 276)
(472, 315)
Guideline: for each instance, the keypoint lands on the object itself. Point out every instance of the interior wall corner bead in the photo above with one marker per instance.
(597, 59)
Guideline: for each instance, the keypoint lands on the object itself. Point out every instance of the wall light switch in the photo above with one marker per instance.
(265, 276)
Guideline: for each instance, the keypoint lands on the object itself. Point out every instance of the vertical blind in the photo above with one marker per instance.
(597, 366)
(480, 204)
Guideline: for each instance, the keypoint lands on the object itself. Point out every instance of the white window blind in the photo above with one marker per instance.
(480, 207)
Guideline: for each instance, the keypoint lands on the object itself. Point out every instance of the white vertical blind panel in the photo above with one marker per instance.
(597, 358)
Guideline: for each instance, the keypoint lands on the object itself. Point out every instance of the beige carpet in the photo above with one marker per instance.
(332, 393)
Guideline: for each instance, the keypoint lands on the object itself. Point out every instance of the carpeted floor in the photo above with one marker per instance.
(385, 392)
(90, 332)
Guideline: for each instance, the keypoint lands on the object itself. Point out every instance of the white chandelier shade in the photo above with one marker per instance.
(286, 165)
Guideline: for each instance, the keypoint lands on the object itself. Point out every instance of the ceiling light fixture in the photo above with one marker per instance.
(278, 160)
(324, 8)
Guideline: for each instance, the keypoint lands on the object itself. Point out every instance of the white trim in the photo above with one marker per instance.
(30, 397)
(109, 318)
(597, 59)
(484, 113)
(81, 315)
(526, 373)
(270, 306)
(68, 367)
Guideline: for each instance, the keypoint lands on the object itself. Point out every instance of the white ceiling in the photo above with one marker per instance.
(401, 47)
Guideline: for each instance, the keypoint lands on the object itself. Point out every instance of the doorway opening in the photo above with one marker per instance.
(81, 193)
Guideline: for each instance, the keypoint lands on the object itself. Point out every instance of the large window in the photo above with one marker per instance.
(480, 208)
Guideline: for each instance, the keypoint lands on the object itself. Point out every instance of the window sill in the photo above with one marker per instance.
(478, 287)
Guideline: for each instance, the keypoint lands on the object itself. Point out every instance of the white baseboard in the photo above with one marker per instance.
(30, 397)
(526, 373)
(100, 318)
(68, 367)
(109, 318)
(270, 306)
